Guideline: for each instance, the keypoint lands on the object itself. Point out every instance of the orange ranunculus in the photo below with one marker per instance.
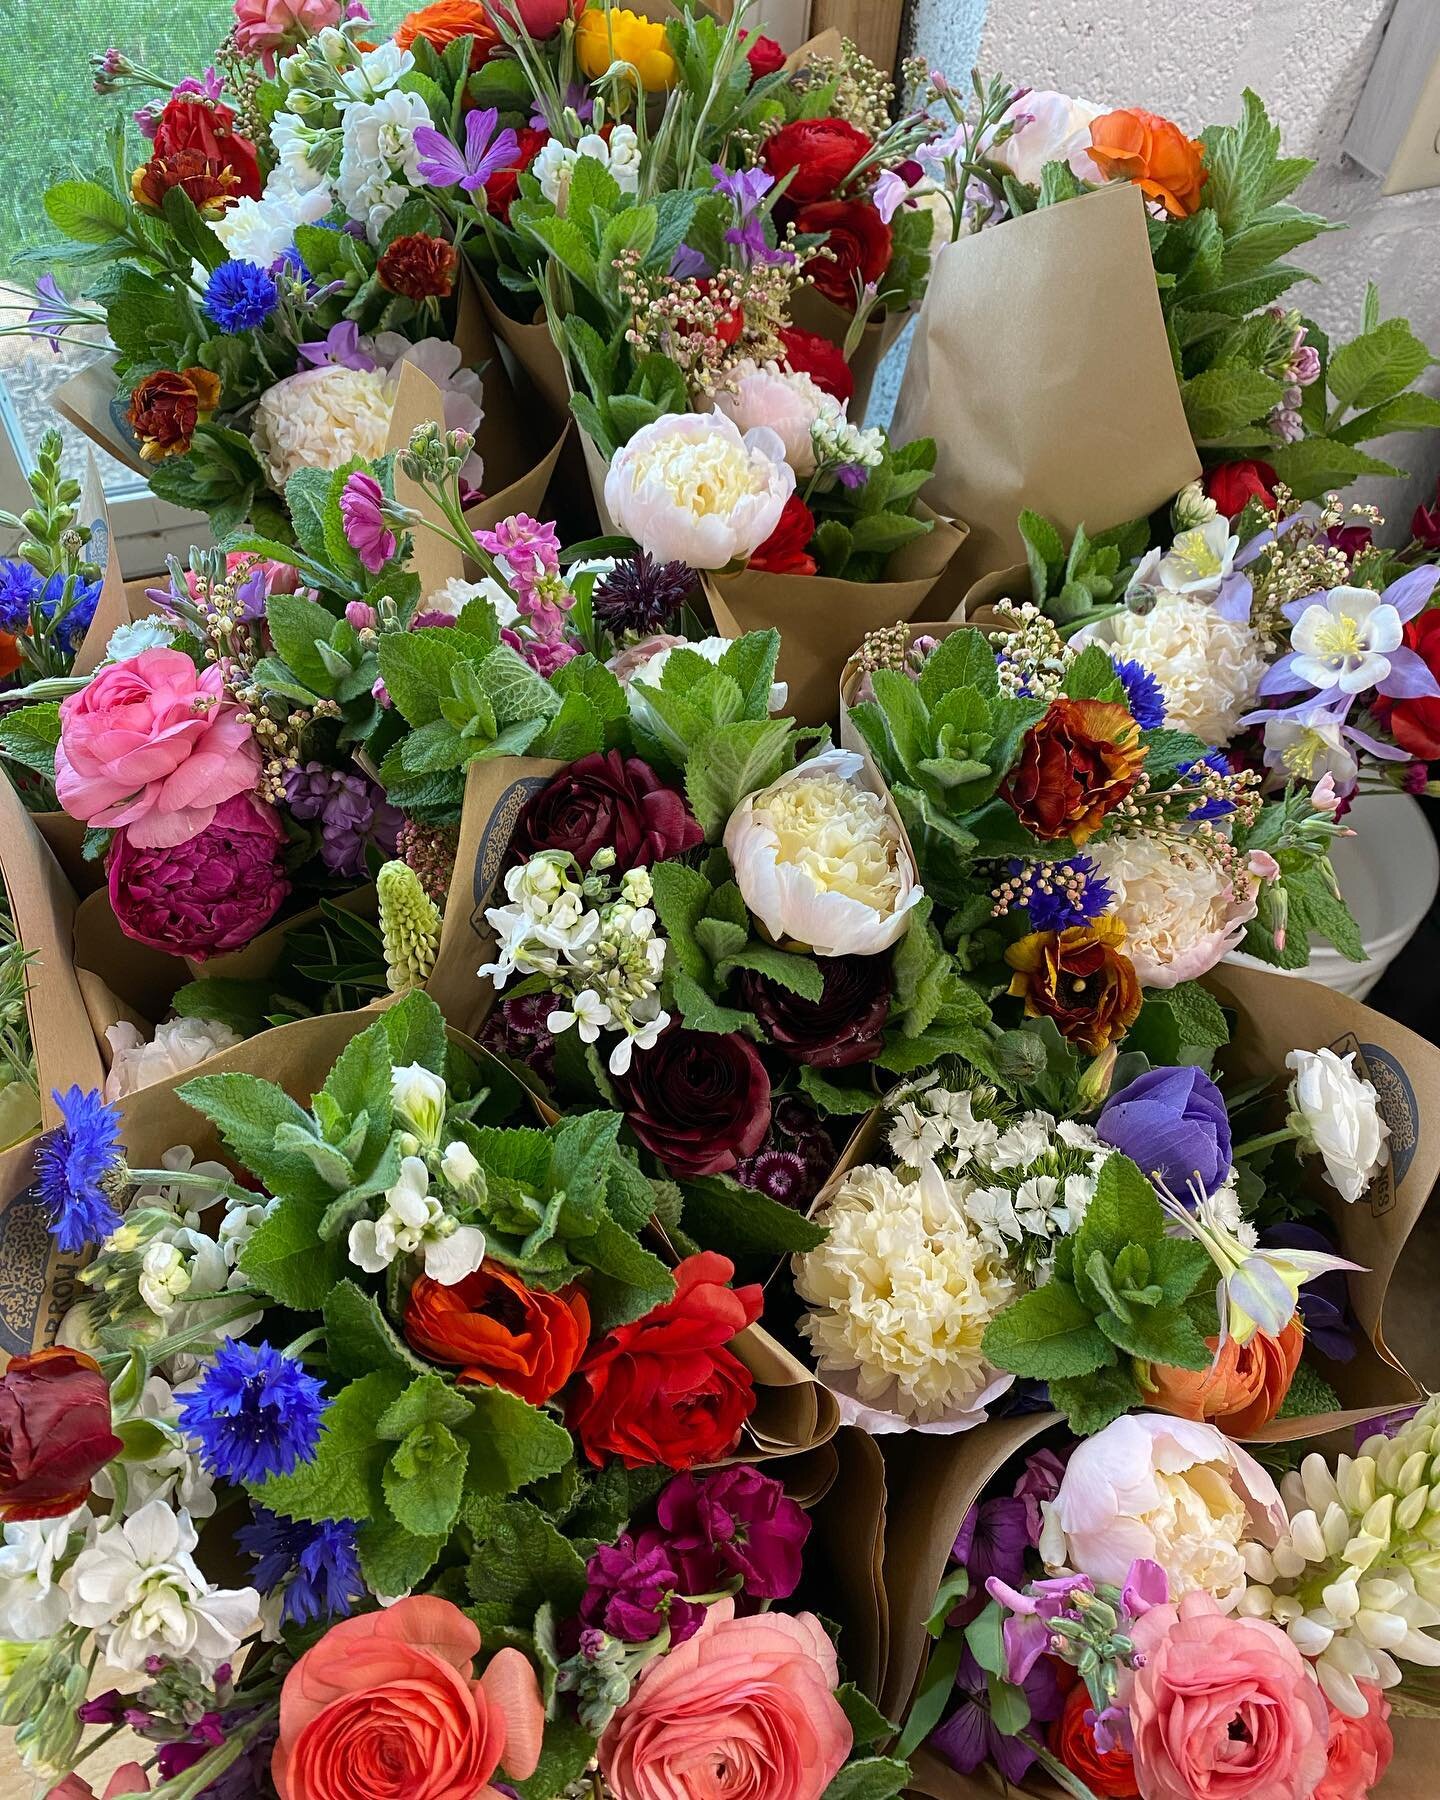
(1155, 154)
(1241, 1391)
(10, 657)
(1076, 764)
(1109, 1774)
(446, 20)
(602, 38)
(498, 1332)
(386, 1703)
(1081, 979)
(166, 407)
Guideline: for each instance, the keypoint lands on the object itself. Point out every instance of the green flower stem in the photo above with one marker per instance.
(229, 1190)
(113, 1362)
(1055, 1769)
(1285, 1135)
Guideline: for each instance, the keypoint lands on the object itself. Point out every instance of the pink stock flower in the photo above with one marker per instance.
(212, 893)
(264, 26)
(151, 744)
(1224, 1706)
(745, 1707)
(1359, 1750)
(531, 549)
(362, 508)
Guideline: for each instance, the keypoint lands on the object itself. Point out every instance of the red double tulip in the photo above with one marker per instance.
(55, 1433)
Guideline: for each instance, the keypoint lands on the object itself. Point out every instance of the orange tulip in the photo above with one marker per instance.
(1241, 1391)
(1155, 154)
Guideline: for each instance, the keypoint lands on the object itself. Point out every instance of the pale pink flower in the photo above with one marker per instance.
(264, 26)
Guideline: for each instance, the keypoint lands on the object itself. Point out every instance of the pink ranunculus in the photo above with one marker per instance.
(634, 657)
(129, 1778)
(745, 1708)
(264, 26)
(152, 744)
(1359, 1750)
(362, 509)
(1223, 1706)
(211, 894)
(539, 19)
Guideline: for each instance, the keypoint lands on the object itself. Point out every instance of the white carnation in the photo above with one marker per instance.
(177, 1045)
(1209, 668)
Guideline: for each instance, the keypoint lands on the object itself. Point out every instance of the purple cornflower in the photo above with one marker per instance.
(1143, 693)
(255, 1413)
(318, 1565)
(74, 1166)
(443, 164)
(49, 318)
(240, 296)
(1219, 764)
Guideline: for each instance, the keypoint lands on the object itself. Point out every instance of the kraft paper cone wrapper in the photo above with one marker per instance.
(1041, 367)
(814, 311)
(533, 349)
(66, 838)
(822, 619)
(845, 1558)
(792, 1411)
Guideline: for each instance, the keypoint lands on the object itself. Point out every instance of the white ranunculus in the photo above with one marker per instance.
(819, 860)
(1209, 668)
(690, 488)
(1336, 1112)
(178, 1045)
(786, 400)
(321, 419)
(1049, 127)
(1170, 1491)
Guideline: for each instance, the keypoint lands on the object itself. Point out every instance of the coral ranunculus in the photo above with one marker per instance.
(817, 154)
(166, 406)
(606, 35)
(1080, 978)
(55, 1433)
(1233, 485)
(699, 1100)
(858, 243)
(1240, 1391)
(443, 23)
(1359, 1750)
(418, 266)
(499, 1333)
(387, 1703)
(746, 1707)
(1076, 764)
(810, 354)
(1109, 1774)
(1154, 153)
(787, 549)
(607, 802)
(208, 895)
(667, 1388)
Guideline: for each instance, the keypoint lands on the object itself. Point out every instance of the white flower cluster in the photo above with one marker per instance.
(178, 1045)
(554, 167)
(378, 157)
(599, 950)
(838, 444)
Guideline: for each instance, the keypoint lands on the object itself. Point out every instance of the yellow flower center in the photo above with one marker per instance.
(1339, 637)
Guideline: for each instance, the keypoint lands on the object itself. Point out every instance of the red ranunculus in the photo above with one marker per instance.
(55, 1433)
(699, 1100)
(787, 549)
(190, 122)
(859, 243)
(498, 1332)
(1425, 523)
(1415, 724)
(666, 1388)
(810, 354)
(820, 152)
(1109, 1776)
(607, 802)
(1233, 485)
(763, 54)
(503, 186)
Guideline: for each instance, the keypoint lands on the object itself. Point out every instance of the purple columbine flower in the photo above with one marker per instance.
(443, 164)
(49, 318)
(341, 347)
(1359, 647)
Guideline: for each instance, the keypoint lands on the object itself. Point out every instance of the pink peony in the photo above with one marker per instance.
(1359, 1750)
(264, 26)
(745, 1709)
(1223, 1707)
(151, 745)
(210, 894)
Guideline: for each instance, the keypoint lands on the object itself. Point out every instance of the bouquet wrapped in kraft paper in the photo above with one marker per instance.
(1022, 419)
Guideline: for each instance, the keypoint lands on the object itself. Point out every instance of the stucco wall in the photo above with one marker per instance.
(1190, 59)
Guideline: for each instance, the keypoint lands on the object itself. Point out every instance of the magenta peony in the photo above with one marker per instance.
(151, 745)
(212, 893)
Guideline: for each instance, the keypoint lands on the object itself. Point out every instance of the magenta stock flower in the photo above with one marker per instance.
(632, 1589)
(736, 1522)
(530, 548)
(362, 507)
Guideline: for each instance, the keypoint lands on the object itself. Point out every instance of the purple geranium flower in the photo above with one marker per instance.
(970, 1737)
(444, 164)
(49, 318)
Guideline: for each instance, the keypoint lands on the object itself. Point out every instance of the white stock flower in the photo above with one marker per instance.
(690, 488)
(1181, 912)
(261, 231)
(1342, 638)
(178, 1045)
(1049, 127)
(819, 860)
(304, 152)
(419, 1096)
(1336, 1112)
(33, 1605)
(322, 419)
(139, 1588)
(378, 158)
(415, 1223)
(899, 1296)
(459, 1165)
(174, 1474)
(1208, 667)
(554, 167)
(373, 72)
(786, 400)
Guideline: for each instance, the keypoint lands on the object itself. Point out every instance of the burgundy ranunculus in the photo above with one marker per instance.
(843, 1027)
(602, 802)
(700, 1100)
(212, 893)
(735, 1522)
(859, 243)
(55, 1433)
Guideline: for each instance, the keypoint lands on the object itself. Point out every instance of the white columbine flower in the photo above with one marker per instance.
(1341, 640)
(415, 1223)
(379, 158)
(33, 1605)
(1335, 1111)
(1196, 563)
(419, 1097)
(139, 1588)
(1311, 747)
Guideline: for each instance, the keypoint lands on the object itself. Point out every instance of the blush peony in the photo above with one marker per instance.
(786, 400)
(744, 1710)
(1047, 127)
(323, 418)
(690, 488)
(151, 745)
(1181, 913)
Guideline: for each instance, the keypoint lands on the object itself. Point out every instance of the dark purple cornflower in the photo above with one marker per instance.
(318, 1565)
(641, 595)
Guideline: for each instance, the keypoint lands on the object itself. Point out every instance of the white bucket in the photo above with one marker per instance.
(1389, 873)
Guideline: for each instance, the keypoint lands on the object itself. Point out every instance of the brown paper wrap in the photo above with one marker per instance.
(1041, 367)
(533, 349)
(845, 1558)
(792, 1412)
(814, 311)
(822, 619)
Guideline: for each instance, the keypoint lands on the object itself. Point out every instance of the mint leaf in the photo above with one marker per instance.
(520, 1561)
(248, 1112)
(615, 1497)
(286, 1257)
(1124, 1211)
(1092, 1402)
(511, 1443)
(872, 1778)
(963, 660)
(424, 1479)
(429, 1400)
(867, 1722)
(729, 763)
(1047, 1335)
(344, 1480)
(723, 1215)
(393, 1560)
(415, 1028)
(360, 1340)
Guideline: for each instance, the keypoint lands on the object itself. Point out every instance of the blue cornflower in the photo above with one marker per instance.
(1143, 693)
(317, 1565)
(1064, 894)
(255, 1413)
(241, 296)
(72, 1166)
(85, 596)
(20, 587)
(1219, 762)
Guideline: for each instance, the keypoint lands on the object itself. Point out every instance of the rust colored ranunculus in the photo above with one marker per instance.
(55, 1433)
(817, 154)
(1076, 765)
(191, 122)
(859, 243)
(1240, 1391)
(499, 1333)
(447, 20)
(1080, 978)
(787, 549)
(1154, 153)
(167, 406)
(1109, 1775)
(210, 186)
(418, 266)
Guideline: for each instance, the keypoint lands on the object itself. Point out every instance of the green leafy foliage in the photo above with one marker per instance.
(858, 530)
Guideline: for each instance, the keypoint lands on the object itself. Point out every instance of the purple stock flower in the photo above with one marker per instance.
(736, 1522)
(47, 320)
(1171, 1122)
(631, 1591)
(1041, 1481)
(1324, 1299)
(970, 1737)
(443, 164)
(351, 810)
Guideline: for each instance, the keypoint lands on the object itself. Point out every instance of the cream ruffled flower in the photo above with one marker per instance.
(1181, 913)
(177, 1045)
(262, 230)
(1209, 668)
(1336, 1112)
(786, 400)
(690, 488)
(819, 860)
(321, 418)
(900, 1294)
